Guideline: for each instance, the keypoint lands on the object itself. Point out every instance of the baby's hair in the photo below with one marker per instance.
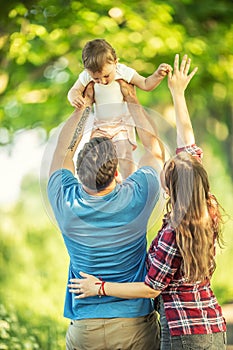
(96, 53)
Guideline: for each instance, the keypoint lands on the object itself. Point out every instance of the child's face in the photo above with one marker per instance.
(106, 76)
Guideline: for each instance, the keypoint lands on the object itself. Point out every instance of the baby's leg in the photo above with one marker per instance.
(125, 157)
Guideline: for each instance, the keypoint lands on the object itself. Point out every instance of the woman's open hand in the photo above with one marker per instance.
(178, 79)
(88, 286)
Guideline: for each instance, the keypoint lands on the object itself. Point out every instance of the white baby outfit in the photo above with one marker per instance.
(111, 114)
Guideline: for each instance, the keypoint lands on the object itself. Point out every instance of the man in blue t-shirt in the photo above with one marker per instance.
(103, 221)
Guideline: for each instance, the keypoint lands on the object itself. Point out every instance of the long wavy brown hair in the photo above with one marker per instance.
(194, 213)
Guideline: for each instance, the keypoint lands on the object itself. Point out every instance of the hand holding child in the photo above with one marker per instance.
(79, 99)
(76, 99)
(89, 94)
(128, 91)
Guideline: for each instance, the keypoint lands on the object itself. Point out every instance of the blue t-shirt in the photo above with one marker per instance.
(105, 236)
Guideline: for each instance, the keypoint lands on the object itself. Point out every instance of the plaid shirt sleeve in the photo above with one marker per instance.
(194, 150)
(163, 260)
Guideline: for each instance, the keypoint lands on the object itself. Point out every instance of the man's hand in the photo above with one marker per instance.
(89, 94)
(80, 99)
(76, 99)
(128, 91)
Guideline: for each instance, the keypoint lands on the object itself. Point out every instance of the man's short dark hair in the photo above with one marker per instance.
(97, 163)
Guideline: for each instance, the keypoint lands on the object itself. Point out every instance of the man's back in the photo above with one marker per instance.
(105, 236)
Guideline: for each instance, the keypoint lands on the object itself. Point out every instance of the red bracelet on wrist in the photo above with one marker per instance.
(102, 287)
(99, 290)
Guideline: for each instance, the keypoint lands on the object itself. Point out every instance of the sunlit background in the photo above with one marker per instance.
(41, 43)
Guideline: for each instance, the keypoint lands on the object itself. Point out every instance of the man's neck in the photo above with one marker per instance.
(103, 192)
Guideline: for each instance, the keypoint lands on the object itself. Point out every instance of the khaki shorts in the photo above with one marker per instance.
(140, 333)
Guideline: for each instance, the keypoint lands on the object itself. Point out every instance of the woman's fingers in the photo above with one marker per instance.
(83, 274)
(184, 66)
(193, 73)
(176, 63)
(187, 66)
(81, 296)
(183, 63)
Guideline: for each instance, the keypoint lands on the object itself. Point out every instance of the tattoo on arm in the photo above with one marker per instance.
(79, 127)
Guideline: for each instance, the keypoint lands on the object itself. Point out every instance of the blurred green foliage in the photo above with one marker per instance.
(33, 275)
(41, 43)
(19, 333)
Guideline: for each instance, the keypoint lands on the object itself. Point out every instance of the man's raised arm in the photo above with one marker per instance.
(71, 134)
(154, 150)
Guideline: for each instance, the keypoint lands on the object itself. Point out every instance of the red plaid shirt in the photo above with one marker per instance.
(190, 308)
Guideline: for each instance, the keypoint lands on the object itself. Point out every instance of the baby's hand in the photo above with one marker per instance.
(163, 69)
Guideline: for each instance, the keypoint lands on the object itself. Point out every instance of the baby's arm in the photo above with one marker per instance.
(75, 94)
(151, 82)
